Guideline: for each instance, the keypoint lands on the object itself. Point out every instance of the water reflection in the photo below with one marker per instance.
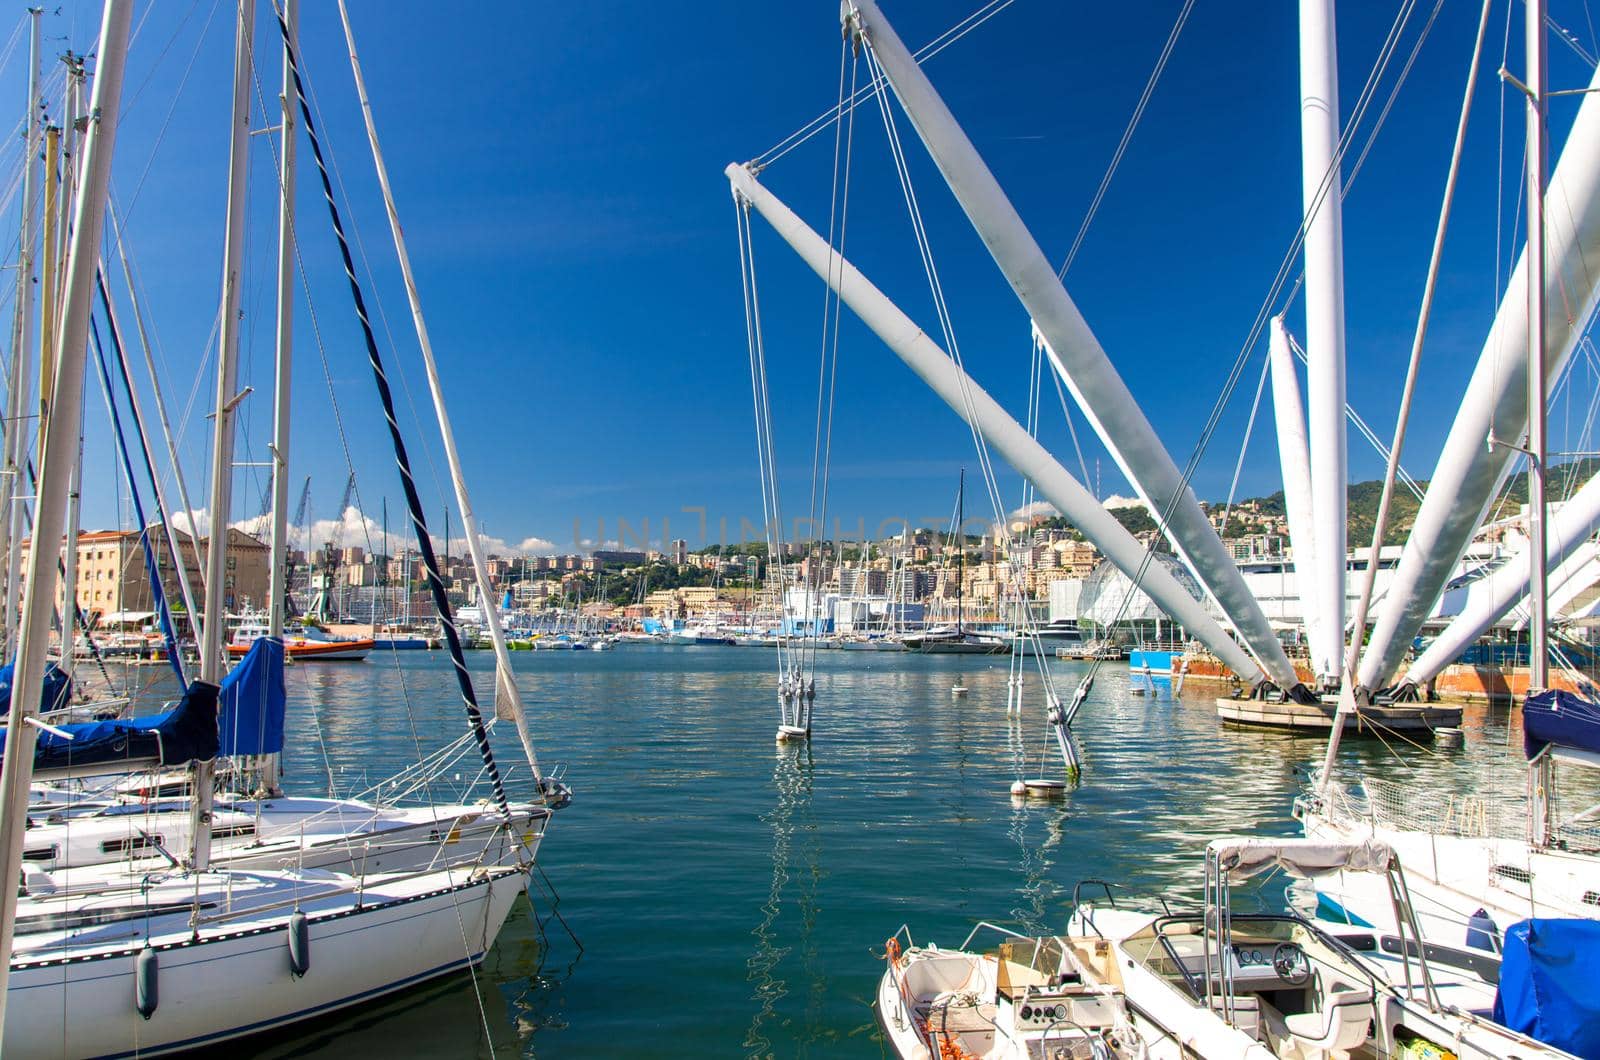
(731, 897)
(791, 813)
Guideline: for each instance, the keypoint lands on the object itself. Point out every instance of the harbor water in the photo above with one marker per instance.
(728, 895)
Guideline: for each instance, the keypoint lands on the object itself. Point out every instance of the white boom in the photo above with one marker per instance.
(1020, 449)
(1074, 352)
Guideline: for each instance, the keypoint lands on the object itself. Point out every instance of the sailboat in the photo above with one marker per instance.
(129, 961)
(957, 640)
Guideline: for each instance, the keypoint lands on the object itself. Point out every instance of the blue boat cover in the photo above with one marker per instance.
(57, 689)
(184, 733)
(253, 699)
(1563, 718)
(1547, 977)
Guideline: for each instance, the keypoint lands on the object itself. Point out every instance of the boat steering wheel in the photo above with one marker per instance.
(1289, 961)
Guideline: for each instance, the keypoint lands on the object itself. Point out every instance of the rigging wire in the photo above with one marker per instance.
(827, 374)
(1002, 532)
(1127, 135)
(1244, 447)
(926, 52)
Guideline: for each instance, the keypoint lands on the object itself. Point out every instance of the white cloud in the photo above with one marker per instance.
(355, 530)
(1020, 518)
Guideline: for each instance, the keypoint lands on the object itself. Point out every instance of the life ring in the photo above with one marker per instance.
(891, 950)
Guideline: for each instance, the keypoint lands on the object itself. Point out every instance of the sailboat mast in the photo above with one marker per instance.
(1538, 591)
(59, 449)
(21, 342)
(283, 365)
(1538, 583)
(961, 546)
(215, 619)
(69, 573)
(506, 687)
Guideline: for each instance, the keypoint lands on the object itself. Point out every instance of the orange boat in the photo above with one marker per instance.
(306, 645)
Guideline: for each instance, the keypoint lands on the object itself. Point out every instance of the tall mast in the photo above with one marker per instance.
(1538, 659)
(1538, 583)
(961, 546)
(59, 449)
(47, 279)
(215, 617)
(69, 575)
(277, 591)
(1325, 372)
(21, 343)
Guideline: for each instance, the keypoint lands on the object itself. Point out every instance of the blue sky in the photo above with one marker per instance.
(559, 172)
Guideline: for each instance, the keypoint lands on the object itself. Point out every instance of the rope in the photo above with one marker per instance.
(157, 592)
(402, 460)
(827, 380)
(1244, 446)
(766, 459)
(1403, 417)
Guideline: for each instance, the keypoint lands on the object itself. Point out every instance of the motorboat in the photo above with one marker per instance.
(1048, 639)
(302, 643)
(1211, 983)
(950, 640)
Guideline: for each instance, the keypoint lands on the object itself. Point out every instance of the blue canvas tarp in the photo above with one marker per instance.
(1547, 977)
(184, 733)
(253, 700)
(57, 691)
(1561, 718)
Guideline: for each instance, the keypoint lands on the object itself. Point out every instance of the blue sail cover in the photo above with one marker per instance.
(253, 699)
(57, 689)
(1547, 978)
(184, 733)
(1562, 718)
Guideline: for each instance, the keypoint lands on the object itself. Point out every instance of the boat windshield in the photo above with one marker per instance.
(1265, 951)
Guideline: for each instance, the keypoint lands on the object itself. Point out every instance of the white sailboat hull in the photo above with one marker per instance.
(235, 979)
(1453, 877)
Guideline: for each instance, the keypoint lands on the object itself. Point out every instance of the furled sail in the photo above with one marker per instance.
(252, 702)
(57, 690)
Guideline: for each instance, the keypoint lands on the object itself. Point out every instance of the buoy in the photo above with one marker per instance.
(1449, 737)
(1018, 788)
(299, 944)
(958, 690)
(146, 991)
